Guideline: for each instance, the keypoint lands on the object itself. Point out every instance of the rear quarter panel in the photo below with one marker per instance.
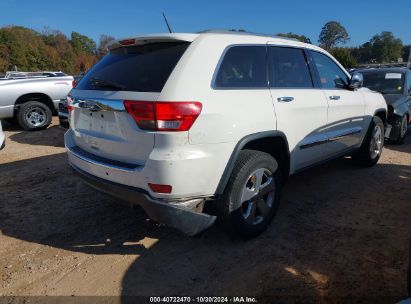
(227, 115)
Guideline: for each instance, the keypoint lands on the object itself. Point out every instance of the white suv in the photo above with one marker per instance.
(177, 122)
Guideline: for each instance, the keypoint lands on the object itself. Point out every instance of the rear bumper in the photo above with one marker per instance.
(175, 215)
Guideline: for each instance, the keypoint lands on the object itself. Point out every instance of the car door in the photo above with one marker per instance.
(300, 106)
(346, 107)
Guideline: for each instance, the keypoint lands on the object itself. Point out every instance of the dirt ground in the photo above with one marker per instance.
(342, 234)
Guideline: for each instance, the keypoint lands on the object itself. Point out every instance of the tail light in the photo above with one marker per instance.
(68, 102)
(74, 83)
(160, 188)
(127, 41)
(163, 116)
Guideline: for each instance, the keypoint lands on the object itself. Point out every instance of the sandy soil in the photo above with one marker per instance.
(342, 234)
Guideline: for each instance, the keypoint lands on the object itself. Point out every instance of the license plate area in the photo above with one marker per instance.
(100, 122)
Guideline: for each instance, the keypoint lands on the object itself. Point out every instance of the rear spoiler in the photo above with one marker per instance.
(142, 40)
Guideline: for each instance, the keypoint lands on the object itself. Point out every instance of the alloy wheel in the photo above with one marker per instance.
(257, 196)
(35, 117)
(376, 142)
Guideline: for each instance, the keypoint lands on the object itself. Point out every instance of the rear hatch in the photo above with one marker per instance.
(137, 71)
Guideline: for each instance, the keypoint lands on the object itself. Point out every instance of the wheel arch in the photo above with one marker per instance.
(39, 97)
(272, 142)
(381, 113)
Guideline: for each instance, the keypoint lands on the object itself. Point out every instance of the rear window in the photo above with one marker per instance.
(143, 68)
(243, 67)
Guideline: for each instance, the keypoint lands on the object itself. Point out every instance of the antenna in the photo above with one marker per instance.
(168, 25)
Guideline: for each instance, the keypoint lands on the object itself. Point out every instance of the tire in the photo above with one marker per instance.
(402, 131)
(11, 120)
(372, 146)
(249, 218)
(34, 115)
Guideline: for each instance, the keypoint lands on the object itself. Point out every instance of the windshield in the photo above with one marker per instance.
(384, 82)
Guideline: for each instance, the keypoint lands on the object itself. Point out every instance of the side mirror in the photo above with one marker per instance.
(356, 81)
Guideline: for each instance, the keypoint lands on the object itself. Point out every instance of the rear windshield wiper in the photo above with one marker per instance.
(102, 83)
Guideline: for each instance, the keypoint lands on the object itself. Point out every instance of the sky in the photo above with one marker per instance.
(122, 18)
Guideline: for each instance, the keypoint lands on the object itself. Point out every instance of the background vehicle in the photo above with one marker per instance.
(2, 139)
(395, 85)
(32, 98)
(173, 122)
(63, 114)
(62, 107)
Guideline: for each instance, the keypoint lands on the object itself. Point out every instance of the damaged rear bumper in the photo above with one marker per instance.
(176, 215)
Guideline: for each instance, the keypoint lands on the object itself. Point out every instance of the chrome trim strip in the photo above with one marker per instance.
(314, 143)
(99, 163)
(98, 104)
(352, 131)
(338, 135)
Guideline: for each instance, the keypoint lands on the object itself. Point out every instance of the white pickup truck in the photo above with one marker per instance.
(32, 98)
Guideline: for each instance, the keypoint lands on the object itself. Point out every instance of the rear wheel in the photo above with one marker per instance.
(371, 149)
(252, 195)
(34, 115)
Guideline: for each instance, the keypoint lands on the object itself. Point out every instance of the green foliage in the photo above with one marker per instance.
(301, 38)
(82, 43)
(49, 50)
(362, 53)
(343, 55)
(52, 50)
(385, 47)
(332, 34)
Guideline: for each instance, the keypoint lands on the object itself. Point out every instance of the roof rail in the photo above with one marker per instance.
(40, 74)
(239, 32)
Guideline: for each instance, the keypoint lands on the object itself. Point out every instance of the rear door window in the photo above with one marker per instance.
(288, 68)
(143, 68)
(243, 67)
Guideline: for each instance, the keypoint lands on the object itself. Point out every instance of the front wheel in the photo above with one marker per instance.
(371, 148)
(403, 130)
(252, 195)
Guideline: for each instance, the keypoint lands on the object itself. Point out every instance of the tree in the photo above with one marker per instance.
(333, 34)
(343, 55)
(82, 43)
(4, 58)
(385, 47)
(301, 38)
(363, 53)
(406, 53)
(48, 50)
(103, 43)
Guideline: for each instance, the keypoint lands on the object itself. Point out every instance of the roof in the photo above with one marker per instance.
(189, 37)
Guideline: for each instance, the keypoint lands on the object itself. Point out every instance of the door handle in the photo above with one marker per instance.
(285, 99)
(335, 97)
